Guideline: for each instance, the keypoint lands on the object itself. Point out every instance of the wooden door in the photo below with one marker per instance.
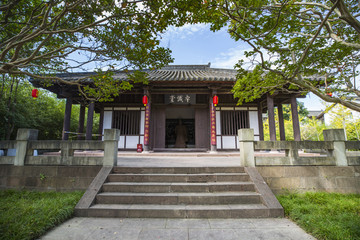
(202, 131)
(158, 128)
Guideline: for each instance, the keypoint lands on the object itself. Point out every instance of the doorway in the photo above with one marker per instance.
(179, 116)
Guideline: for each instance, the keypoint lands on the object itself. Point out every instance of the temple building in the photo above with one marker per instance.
(182, 108)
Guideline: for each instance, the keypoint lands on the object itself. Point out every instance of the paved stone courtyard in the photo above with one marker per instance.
(177, 229)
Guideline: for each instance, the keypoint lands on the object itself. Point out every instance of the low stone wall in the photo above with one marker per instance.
(47, 178)
(26, 145)
(312, 178)
(279, 178)
(335, 151)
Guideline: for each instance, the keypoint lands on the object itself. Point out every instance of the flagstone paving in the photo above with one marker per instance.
(184, 229)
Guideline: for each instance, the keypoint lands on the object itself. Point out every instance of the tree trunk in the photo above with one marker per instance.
(11, 107)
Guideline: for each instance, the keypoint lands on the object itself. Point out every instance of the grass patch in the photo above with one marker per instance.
(29, 214)
(324, 215)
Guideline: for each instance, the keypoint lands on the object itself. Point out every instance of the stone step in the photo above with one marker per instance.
(188, 170)
(178, 198)
(163, 187)
(179, 193)
(178, 211)
(158, 177)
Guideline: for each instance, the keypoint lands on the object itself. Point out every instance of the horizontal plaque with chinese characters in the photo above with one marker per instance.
(180, 98)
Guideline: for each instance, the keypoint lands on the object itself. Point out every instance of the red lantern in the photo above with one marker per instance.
(328, 92)
(145, 100)
(215, 100)
(34, 93)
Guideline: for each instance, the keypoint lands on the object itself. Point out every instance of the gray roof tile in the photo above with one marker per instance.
(172, 73)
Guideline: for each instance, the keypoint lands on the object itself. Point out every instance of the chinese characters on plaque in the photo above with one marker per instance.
(180, 98)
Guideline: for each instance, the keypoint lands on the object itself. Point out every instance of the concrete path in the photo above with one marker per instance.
(173, 229)
(128, 159)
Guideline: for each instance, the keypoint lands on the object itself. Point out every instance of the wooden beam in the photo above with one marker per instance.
(90, 119)
(281, 122)
(271, 115)
(295, 119)
(261, 124)
(81, 121)
(67, 118)
(101, 123)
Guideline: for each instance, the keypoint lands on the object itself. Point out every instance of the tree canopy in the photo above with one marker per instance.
(19, 110)
(311, 45)
(40, 38)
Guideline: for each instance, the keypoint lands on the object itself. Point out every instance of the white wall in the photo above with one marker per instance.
(254, 121)
(229, 142)
(142, 123)
(218, 123)
(107, 121)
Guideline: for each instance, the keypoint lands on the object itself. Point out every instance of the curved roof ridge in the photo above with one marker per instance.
(186, 67)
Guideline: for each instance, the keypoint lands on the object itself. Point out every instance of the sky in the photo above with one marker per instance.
(197, 44)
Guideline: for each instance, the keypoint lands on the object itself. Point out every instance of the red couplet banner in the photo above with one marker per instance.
(213, 124)
(147, 125)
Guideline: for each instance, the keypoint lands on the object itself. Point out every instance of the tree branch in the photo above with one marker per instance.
(304, 55)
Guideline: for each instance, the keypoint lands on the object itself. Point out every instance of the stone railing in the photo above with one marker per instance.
(59, 152)
(331, 152)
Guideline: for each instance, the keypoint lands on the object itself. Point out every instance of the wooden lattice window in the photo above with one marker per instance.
(128, 122)
(231, 121)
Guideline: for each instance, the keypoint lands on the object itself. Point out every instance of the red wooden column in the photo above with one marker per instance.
(147, 125)
(295, 119)
(271, 115)
(67, 116)
(212, 124)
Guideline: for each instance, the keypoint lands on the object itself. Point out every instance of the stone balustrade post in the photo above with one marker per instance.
(23, 136)
(66, 153)
(292, 152)
(338, 138)
(246, 145)
(111, 139)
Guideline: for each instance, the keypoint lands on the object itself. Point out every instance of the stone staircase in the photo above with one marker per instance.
(179, 192)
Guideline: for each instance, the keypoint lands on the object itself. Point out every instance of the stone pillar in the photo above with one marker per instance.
(81, 122)
(147, 124)
(101, 124)
(213, 147)
(271, 115)
(111, 141)
(67, 153)
(293, 153)
(281, 122)
(90, 119)
(246, 145)
(339, 152)
(22, 138)
(295, 119)
(67, 118)
(261, 124)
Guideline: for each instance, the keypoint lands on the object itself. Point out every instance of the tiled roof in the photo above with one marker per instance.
(176, 73)
(192, 73)
(172, 73)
